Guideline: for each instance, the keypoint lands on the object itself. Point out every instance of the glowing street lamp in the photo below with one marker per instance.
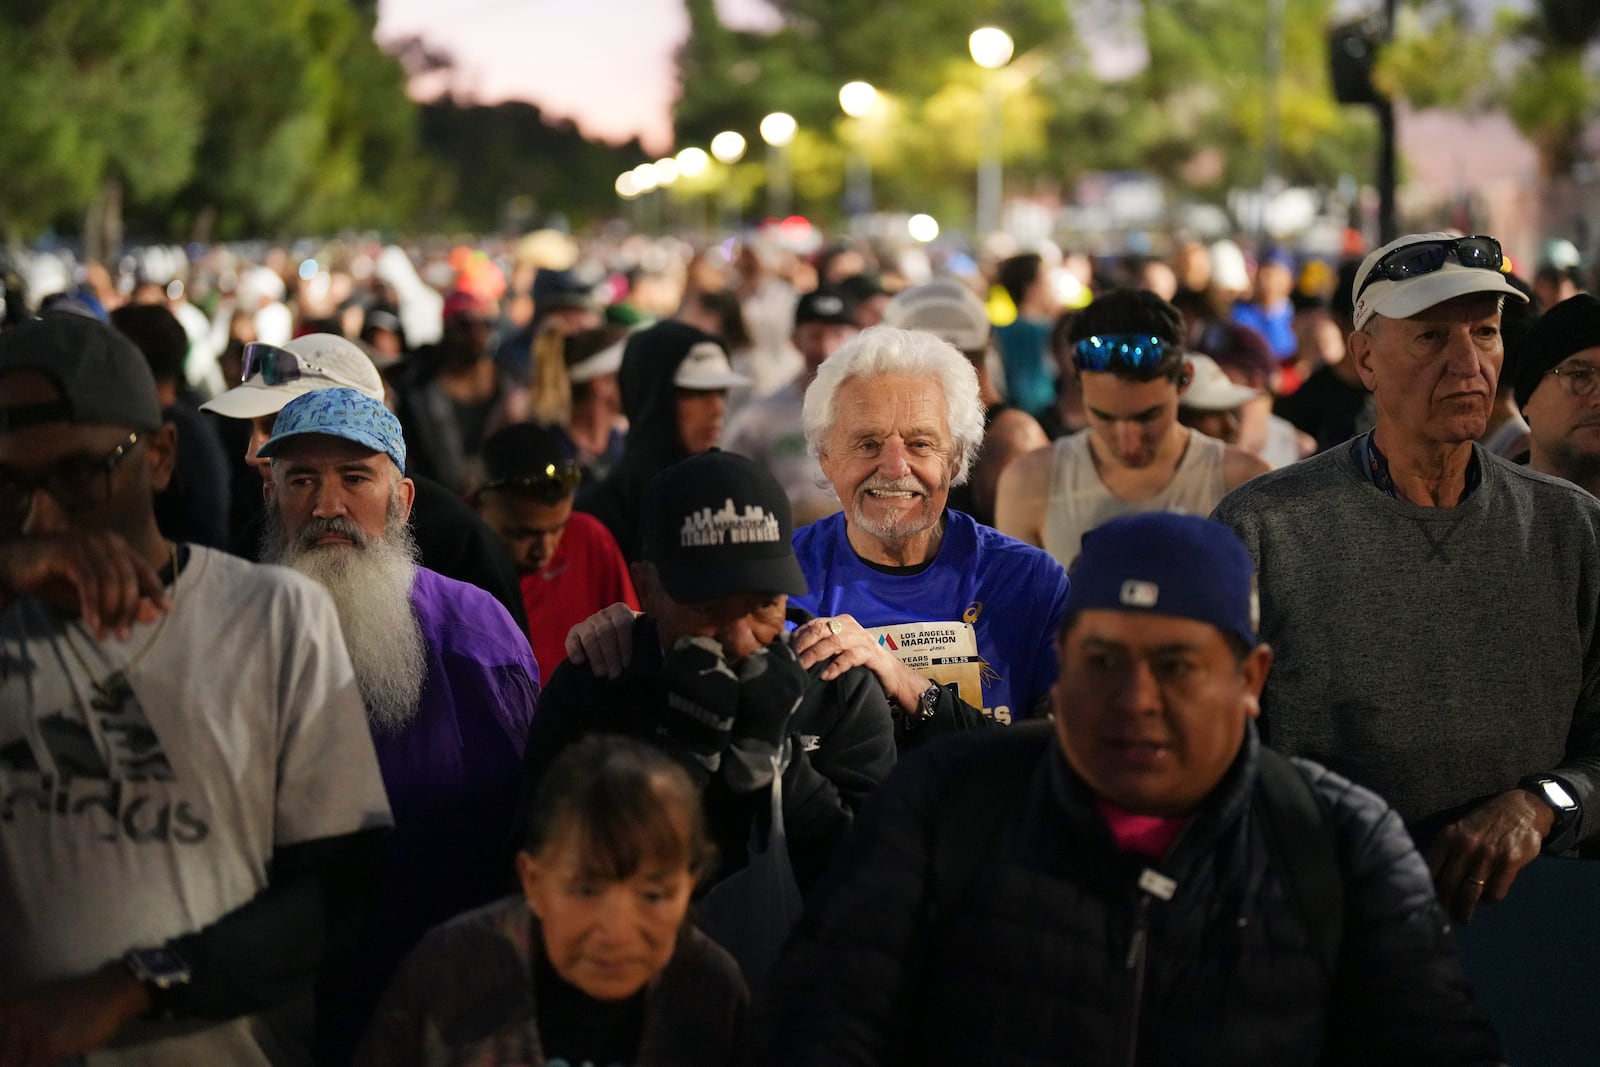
(728, 147)
(991, 49)
(858, 100)
(645, 177)
(778, 130)
(923, 228)
(692, 162)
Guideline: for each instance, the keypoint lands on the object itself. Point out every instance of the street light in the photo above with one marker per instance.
(728, 147)
(778, 130)
(645, 177)
(923, 228)
(692, 162)
(991, 49)
(858, 100)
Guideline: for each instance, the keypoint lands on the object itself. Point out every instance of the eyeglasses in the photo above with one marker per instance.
(77, 483)
(1425, 257)
(556, 479)
(1135, 351)
(1580, 379)
(275, 365)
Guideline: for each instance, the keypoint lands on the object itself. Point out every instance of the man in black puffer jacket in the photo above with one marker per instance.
(1145, 885)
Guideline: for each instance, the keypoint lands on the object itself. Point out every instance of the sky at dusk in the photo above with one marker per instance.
(605, 63)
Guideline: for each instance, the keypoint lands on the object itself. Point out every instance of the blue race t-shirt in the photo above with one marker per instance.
(982, 585)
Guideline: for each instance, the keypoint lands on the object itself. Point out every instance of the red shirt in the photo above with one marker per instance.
(586, 574)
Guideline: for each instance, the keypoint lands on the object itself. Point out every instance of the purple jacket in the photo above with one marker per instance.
(452, 776)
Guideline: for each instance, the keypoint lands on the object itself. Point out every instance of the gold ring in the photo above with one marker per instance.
(835, 625)
(1478, 881)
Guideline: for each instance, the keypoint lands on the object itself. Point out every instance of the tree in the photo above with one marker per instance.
(1203, 124)
(1531, 64)
(96, 103)
(308, 125)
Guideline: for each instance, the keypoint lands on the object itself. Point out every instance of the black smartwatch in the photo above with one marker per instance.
(1559, 797)
(162, 972)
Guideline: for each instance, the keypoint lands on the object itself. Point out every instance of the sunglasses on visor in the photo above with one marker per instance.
(562, 478)
(275, 365)
(1136, 351)
(1426, 257)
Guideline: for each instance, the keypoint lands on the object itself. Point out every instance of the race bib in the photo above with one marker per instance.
(944, 652)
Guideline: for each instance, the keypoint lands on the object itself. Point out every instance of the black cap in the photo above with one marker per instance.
(528, 459)
(831, 306)
(1570, 326)
(717, 524)
(103, 377)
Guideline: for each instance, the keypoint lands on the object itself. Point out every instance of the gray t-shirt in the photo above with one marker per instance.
(1434, 655)
(131, 814)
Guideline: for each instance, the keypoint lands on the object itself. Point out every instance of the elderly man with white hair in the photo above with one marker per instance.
(952, 617)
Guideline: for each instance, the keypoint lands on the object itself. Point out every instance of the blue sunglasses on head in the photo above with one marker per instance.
(1136, 351)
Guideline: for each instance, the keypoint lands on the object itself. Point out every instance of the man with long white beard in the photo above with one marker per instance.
(449, 682)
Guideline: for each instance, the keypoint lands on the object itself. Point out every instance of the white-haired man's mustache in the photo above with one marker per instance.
(337, 525)
(908, 484)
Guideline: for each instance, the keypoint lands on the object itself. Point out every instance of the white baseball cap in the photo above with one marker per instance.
(606, 361)
(944, 307)
(1210, 388)
(707, 367)
(1425, 288)
(320, 361)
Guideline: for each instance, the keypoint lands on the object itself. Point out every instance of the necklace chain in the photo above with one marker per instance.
(112, 687)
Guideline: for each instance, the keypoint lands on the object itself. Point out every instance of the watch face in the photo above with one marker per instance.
(162, 965)
(1557, 796)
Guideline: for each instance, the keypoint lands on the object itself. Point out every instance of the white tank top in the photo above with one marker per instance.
(1079, 500)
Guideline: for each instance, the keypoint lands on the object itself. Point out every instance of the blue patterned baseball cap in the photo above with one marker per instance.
(342, 413)
(1162, 563)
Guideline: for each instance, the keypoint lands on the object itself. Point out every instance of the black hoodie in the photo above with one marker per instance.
(649, 399)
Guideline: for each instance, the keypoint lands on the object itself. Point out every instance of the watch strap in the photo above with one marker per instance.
(1564, 829)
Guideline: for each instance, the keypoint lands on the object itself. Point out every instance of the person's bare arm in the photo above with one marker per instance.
(1019, 500)
(95, 575)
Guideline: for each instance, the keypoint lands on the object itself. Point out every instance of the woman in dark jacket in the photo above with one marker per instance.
(594, 963)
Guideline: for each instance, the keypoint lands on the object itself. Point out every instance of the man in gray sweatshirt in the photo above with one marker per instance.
(1433, 608)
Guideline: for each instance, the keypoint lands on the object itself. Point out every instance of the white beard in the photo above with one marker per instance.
(370, 582)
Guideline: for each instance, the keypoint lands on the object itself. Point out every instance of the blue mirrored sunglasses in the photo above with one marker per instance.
(1136, 351)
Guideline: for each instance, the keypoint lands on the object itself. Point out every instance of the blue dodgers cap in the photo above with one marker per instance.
(1166, 564)
(342, 413)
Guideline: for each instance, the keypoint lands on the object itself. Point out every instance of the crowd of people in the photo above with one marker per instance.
(627, 653)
